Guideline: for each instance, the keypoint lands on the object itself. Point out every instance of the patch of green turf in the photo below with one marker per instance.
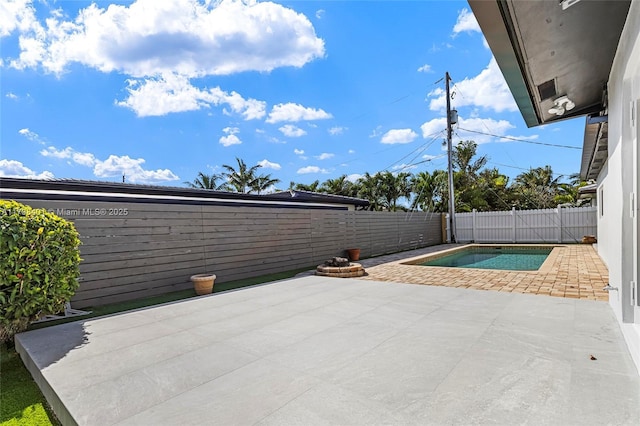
(232, 285)
(170, 297)
(21, 402)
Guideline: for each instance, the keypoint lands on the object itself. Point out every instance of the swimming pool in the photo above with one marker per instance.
(494, 257)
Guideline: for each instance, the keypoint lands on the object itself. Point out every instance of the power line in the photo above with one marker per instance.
(524, 169)
(484, 124)
(423, 147)
(421, 162)
(394, 101)
(520, 140)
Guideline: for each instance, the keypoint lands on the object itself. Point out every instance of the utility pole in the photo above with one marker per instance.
(452, 204)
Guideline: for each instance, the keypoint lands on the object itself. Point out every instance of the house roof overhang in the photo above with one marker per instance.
(303, 196)
(552, 48)
(83, 190)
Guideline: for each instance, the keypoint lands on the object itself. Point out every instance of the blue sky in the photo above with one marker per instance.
(311, 90)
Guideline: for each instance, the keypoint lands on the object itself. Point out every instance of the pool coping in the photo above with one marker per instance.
(571, 270)
(546, 266)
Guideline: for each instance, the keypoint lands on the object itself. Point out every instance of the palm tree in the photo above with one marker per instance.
(536, 188)
(205, 181)
(568, 193)
(263, 183)
(462, 156)
(496, 192)
(393, 187)
(367, 188)
(468, 193)
(338, 186)
(312, 187)
(429, 190)
(242, 180)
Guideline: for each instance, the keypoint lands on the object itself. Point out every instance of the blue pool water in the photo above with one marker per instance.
(508, 259)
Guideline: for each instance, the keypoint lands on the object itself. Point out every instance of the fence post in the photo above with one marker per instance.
(445, 229)
(559, 213)
(473, 226)
(513, 218)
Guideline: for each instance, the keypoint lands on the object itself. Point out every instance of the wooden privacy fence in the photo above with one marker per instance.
(559, 225)
(135, 249)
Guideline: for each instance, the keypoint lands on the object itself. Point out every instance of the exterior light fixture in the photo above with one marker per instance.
(562, 105)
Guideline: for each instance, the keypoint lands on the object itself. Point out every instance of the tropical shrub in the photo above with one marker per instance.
(39, 260)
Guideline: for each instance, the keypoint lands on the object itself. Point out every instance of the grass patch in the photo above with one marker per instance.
(21, 402)
(171, 297)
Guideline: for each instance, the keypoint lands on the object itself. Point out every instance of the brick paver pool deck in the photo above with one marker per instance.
(573, 271)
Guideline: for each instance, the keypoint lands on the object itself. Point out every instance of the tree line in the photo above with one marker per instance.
(476, 186)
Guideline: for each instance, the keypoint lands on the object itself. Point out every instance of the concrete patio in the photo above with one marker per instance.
(314, 350)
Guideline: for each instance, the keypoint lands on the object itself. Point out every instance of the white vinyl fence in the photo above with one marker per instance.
(559, 225)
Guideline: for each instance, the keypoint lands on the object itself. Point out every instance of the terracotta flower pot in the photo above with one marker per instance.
(203, 283)
(354, 254)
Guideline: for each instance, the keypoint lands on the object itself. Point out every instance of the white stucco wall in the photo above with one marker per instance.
(616, 226)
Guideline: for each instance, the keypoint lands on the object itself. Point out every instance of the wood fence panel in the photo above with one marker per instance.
(139, 249)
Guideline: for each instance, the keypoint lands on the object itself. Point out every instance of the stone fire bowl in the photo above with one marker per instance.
(351, 271)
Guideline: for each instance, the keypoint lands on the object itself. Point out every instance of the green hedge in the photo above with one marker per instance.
(39, 260)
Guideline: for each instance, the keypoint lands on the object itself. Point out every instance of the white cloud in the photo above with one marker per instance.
(300, 153)
(320, 13)
(230, 140)
(269, 165)
(116, 166)
(404, 167)
(376, 132)
(486, 125)
(425, 68)
(16, 15)
(432, 127)
(15, 169)
(428, 157)
(487, 90)
(11, 96)
(149, 37)
(292, 131)
(466, 22)
(295, 112)
(231, 130)
(171, 93)
(476, 124)
(273, 139)
(113, 166)
(354, 177)
(437, 48)
(31, 135)
(325, 156)
(337, 130)
(399, 136)
(311, 169)
(509, 138)
(351, 151)
(82, 158)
